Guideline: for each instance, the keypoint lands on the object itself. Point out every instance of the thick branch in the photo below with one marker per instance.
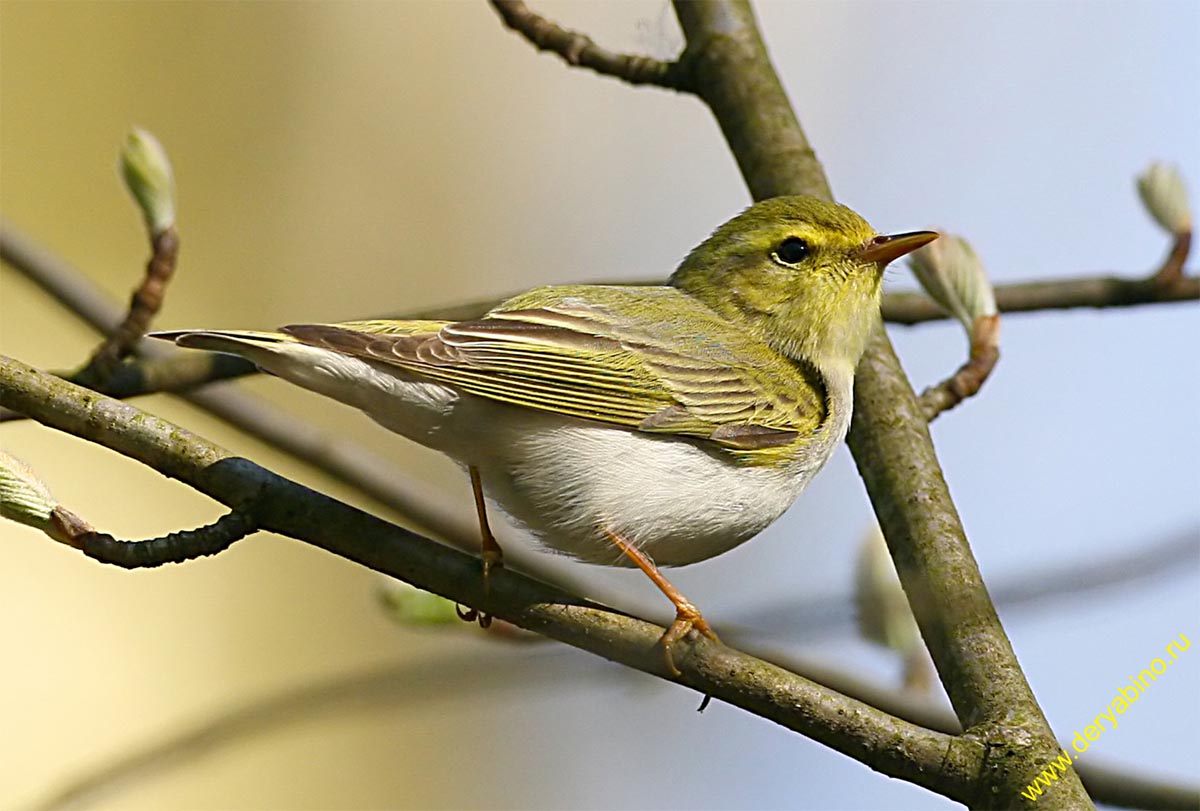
(889, 437)
(892, 448)
(579, 50)
(894, 747)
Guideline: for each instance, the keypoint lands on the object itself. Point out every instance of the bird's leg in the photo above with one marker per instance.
(687, 616)
(493, 555)
(490, 551)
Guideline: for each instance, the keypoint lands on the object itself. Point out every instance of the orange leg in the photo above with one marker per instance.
(687, 616)
(492, 554)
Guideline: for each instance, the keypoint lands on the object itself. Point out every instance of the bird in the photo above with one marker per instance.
(649, 426)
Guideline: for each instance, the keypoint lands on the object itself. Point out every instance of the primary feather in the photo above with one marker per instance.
(603, 354)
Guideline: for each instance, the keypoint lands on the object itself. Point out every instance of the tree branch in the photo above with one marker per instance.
(1052, 294)
(888, 438)
(578, 50)
(897, 748)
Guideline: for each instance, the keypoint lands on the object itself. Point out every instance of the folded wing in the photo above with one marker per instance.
(606, 355)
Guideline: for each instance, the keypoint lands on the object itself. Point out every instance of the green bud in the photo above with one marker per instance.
(409, 605)
(148, 176)
(24, 498)
(1164, 194)
(953, 276)
(883, 613)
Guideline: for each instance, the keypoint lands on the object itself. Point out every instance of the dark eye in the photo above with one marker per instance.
(791, 251)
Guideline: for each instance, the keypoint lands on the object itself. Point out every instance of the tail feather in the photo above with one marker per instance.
(259, 348)
(253, 346)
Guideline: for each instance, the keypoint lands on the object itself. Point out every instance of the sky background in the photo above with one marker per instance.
(341, 160)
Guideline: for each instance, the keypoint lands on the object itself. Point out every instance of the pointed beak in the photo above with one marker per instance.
(890, 247)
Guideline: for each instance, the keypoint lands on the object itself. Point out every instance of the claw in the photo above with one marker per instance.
(687, 619)
(473, 615)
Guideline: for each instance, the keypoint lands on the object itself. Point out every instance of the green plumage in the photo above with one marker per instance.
(609, 354)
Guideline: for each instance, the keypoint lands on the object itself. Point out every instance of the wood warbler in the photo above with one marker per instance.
(628, 425)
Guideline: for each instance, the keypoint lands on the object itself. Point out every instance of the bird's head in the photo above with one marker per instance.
(803, 274)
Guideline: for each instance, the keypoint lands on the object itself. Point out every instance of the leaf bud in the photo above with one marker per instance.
(148, 176)
(884, 616)
(1165, 197)
(24, 498)
(953, 276)
(409, 605)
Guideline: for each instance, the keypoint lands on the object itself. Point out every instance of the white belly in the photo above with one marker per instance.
(565, 479)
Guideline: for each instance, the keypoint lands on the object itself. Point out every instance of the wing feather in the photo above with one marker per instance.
(605, 356)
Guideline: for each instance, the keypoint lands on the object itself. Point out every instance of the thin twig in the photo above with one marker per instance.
(144, 304)
(829, 616)
(970, 377)
(175, 547)
(937, 761)
(184, 371)
(579, 50)
(1171, 270)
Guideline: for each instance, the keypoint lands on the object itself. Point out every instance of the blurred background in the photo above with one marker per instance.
(341, 160)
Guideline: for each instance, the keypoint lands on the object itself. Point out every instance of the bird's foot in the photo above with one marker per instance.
(467, 614)
(687, 619)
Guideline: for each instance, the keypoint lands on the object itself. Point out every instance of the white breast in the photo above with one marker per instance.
(564, 479)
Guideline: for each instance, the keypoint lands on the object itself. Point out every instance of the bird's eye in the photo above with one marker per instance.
(791, 251)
